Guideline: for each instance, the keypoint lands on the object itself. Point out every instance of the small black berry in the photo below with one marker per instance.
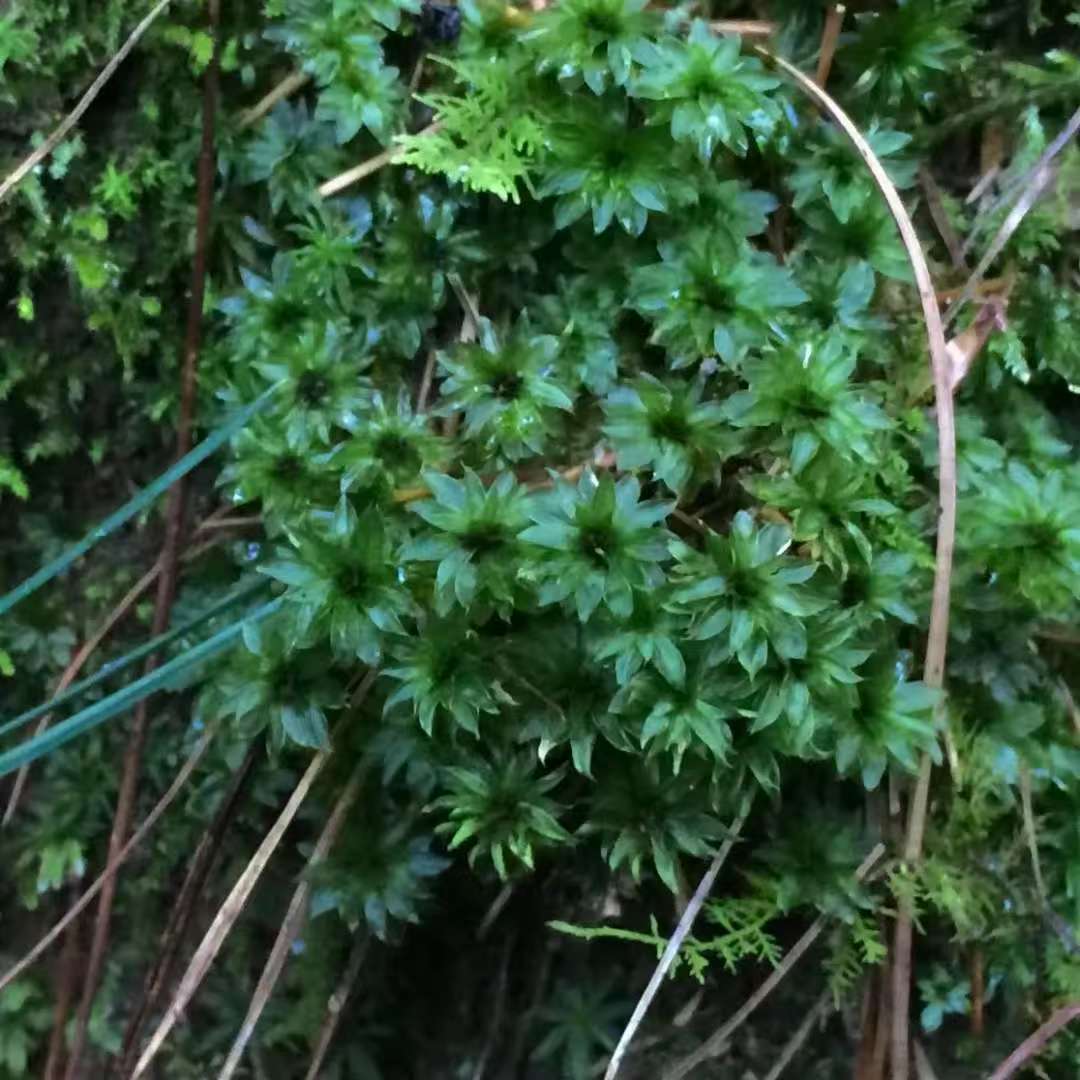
(441, 22)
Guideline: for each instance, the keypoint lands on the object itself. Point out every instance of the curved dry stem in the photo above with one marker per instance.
(938, 636)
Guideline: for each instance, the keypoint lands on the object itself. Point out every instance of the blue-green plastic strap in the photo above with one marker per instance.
(136, 505)
(125, 698)
(113, 667)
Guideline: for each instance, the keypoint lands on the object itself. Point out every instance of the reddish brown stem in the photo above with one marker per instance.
(174, 527)
(978, 992)
(67, 979)
(881, 1043)
(834, 19)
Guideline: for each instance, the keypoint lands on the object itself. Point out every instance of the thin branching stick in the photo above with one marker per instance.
(686, 924)
(819, 1009)
(938, 635)
(294, 920)
(234, 903)
(1032, 187)
(115, 863)
(174, 534)
(1031, 835)
(1014, 186)
(336, 1004)
(17, 175)
(716, 1042)
(1035, 1042)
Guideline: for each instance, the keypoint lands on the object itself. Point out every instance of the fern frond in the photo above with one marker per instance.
(488, 138)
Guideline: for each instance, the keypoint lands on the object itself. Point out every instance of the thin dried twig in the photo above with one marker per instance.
(1030, 834)
(114, 863)
(747, 28)
(1018, 183)
(1035, 1042)
(183, 909)
(935, 203)
(818, 1010)
(671, 950)
(174, 532)
(366, 168)
(91, 645)
(424, 393)
(1030, 188)
(500, 901)
(498, 1010)
(527, 1016)
(246, 522)
(17, 175)
(468, 306)
(965, 347)
(834, 20)
(234, 903)
(286, 88)
(924, 1070)
(716, 1042)
(75, 665)
(227, 915)
(1071, 706)
(336, 1004)
(293, 922)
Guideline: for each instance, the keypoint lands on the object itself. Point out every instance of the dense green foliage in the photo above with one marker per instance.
(596, 423)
